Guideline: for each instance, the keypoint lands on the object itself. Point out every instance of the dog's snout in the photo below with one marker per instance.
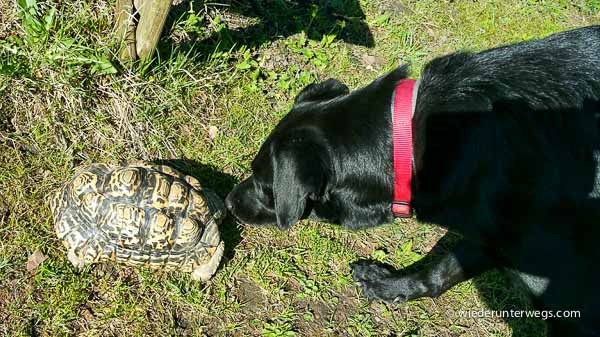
(246, 206)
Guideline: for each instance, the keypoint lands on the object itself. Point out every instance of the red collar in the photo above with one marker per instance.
(403, 101)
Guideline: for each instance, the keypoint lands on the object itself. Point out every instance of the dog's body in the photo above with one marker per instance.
(505, 148)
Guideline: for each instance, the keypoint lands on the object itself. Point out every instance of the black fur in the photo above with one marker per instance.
(506, 145)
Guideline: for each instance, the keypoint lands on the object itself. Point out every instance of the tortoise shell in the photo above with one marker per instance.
(140, 214)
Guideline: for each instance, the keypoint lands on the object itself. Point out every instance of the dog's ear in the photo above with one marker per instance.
(322, 91)
(299, 173)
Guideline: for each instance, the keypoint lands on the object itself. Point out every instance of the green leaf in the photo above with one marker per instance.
(243, 66)
(327, 40)
(103, 67)
(379, 255)
(49, 19)
(27, 5)
(308, 53)
(407, 246)
(255, 74)
(31, 3)
(380, 20)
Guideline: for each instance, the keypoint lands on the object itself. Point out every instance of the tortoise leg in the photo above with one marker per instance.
(77, 262)
(205, 271)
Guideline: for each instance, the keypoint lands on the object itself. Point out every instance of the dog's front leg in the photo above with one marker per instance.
(379, 282)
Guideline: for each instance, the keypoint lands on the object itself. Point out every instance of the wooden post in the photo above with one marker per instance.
(125, 29)
(139, 39)
(153, 14)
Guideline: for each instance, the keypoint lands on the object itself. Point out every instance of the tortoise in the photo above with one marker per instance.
(139, 214)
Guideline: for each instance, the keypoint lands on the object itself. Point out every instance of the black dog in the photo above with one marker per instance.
(506, 153)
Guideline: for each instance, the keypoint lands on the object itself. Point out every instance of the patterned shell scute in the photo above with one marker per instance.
(139, 214)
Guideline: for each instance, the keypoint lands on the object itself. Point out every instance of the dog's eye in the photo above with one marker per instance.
(264, 188)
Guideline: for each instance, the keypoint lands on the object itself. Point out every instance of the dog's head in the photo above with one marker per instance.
(292, 168)
(328, 158)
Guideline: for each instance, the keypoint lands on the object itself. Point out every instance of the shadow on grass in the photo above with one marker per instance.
(500, 292)
(278, 19)
(495, 288)
(221, 183)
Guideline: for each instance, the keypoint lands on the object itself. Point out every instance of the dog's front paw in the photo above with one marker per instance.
(379, 282)
(367, 270)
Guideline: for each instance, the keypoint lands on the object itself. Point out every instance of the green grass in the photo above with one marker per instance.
(222, 79)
